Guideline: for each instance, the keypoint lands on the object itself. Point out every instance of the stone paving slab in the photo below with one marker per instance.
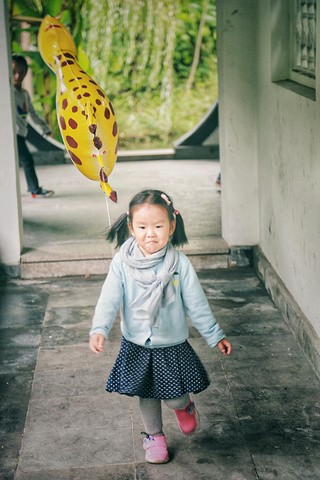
(260, 416)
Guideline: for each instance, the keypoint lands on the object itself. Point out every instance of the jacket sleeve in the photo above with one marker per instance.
(35, 117)
(109, 301)
(197, 306)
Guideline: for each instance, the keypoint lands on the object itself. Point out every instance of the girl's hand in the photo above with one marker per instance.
(225, 346)
(96, 343)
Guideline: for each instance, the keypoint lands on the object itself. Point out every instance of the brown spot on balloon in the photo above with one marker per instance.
(92, 81)
(97, 142)
(64, 103)
(93, 128)
(113, 196)
(115, 129)
(87, 94)
(62, 123)
(75, 89)
(107, 113)
(79, 96)
(74, 109)
(73, 124)
(81, 71)
(98, 102)
(63, 64)
(69, 62)
(103, 176)
(79, 78)
(101, 93)
(94, 109)
(84, 86)
(72, 80)
(68, 55)
(71, 141)
(59, 57)
(111, 108)
(74, 158)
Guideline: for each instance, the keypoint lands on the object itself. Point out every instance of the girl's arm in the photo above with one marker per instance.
(198, 308)
(108, 304)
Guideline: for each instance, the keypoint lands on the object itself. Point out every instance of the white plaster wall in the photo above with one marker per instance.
(270, 147)
(10, 205)
(289, 172)
(236, 45)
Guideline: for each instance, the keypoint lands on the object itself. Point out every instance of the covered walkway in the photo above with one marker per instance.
(260, 415)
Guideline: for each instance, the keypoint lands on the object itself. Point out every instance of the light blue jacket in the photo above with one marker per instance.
(120, 289)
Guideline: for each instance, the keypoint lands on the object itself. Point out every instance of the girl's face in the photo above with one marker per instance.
(151, 227)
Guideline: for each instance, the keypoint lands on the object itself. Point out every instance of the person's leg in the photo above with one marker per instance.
(27, 163)
(154, 443)
(178, 403)
(186, 413)
(151, 415)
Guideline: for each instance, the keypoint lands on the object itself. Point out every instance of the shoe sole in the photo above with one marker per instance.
(34, 195)
(158, 462)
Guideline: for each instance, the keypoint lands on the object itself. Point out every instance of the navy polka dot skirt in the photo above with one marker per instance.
(165, 372)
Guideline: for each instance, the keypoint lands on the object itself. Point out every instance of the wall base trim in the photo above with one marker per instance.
(296, 320)
(9, 271)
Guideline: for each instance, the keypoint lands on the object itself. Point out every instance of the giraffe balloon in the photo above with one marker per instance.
(85, 115)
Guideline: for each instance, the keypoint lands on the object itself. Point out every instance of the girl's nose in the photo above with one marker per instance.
(150, 232)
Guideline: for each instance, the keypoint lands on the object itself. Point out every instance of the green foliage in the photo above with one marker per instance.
(37, 8)
(140, 52)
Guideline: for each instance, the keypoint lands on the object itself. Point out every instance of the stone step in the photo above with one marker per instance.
(81, 259)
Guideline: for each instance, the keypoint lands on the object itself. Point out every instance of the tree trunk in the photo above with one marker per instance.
(197, 49)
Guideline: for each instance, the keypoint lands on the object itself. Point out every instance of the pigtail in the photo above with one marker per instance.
(119, 230)
(179, 236)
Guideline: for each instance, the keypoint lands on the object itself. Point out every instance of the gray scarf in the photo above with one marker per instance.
(159, 290)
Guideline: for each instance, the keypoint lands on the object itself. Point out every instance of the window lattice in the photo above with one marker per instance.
(305, 37)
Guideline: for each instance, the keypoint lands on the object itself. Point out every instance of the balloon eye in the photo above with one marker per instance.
(52, 26)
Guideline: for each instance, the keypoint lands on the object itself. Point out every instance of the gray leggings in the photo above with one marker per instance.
(152, 415)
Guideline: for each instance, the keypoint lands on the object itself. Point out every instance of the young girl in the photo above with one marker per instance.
(156, 287)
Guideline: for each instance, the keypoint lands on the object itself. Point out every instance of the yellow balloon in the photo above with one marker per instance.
(85, 115)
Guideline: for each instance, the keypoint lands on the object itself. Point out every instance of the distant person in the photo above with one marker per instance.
(24, 108)
(157, 287)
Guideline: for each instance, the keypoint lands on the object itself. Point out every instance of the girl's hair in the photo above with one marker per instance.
(21, 60)
(120, 229)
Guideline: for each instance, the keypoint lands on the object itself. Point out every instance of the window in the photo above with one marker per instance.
(293, 45)
(303, 42)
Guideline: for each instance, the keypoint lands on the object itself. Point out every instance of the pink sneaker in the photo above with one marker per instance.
(156, 449)
(188, 419)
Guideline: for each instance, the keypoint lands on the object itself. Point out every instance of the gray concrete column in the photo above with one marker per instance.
(10, 203)
(238, 90)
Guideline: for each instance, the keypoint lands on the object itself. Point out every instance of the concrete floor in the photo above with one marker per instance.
(260, 417)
